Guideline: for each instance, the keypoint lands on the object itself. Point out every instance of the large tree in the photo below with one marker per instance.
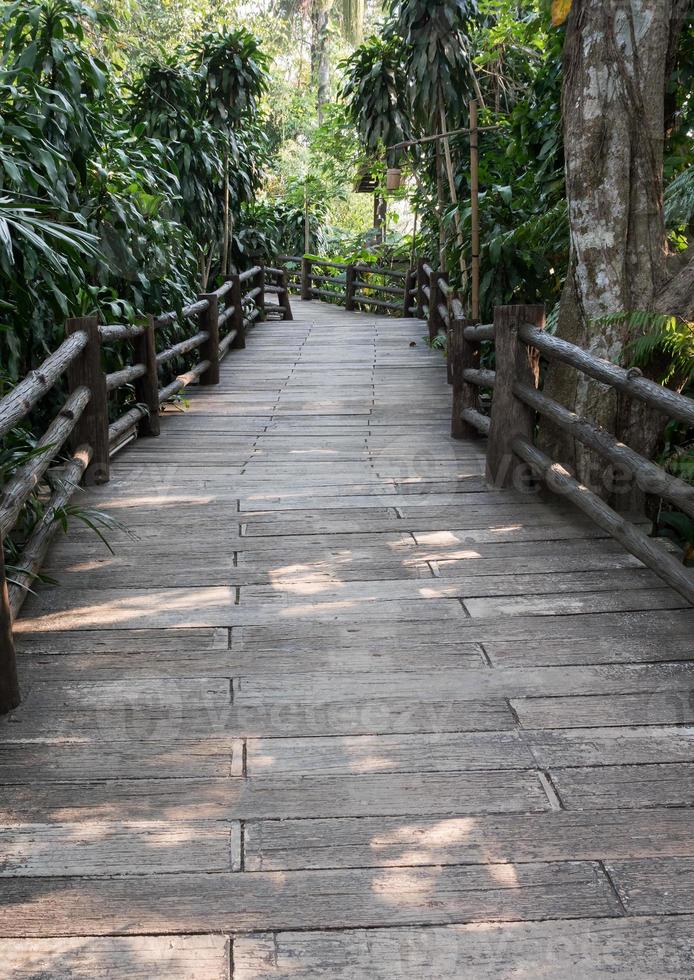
(619, 60)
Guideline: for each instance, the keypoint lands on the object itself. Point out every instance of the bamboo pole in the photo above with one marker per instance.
(440, 205)
(439, 136)
(454, 194)
(475, 209)
(225, 248)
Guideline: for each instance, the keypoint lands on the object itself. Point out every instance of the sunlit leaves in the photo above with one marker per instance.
(375, 90)
(560, 11)
(437, 54)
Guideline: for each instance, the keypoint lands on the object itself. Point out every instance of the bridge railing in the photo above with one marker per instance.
(80, 437)
(357, 286)
(512, 453)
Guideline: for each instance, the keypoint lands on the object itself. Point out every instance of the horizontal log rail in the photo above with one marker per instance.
(332, 279)
(121, 331)
(19, 487)
(125, 376)
(378, 288)
(651, 478)
(628, 381)
(82, 428)
(652, 554)
(373, 301)
(355, 286)
(520, 341)
(183, 347)
(340, 298)
(17, 404)
(250, 273)
(37, 545)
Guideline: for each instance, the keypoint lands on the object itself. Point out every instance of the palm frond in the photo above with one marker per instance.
(679, 199)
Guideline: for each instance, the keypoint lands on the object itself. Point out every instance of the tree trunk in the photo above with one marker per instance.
(320, 53)
(617, 61)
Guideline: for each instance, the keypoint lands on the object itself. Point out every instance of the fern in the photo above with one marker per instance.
(658, 334)
(679, 199)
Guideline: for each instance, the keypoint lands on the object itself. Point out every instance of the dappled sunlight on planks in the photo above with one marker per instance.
(173, 607)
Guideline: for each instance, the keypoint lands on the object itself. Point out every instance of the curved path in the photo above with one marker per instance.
(337, 711)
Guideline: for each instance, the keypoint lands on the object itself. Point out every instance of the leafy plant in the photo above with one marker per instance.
(680, 528)
(375, 91)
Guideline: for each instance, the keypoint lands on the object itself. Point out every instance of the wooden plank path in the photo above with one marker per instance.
(338, 711)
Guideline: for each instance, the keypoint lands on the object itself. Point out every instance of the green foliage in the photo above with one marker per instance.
(110, 202)
(272, 228)
(677, 453)
(657, 339)
(679, 200)
(680, 528)
(438, 58)
(375, 91)
(233, 75)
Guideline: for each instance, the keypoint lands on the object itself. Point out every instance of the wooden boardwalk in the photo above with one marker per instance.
(339, 712)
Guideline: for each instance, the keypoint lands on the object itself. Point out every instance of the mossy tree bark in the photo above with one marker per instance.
(618, 57)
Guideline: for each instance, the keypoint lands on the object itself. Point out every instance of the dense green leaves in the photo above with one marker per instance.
(437, 54)
(375, 90)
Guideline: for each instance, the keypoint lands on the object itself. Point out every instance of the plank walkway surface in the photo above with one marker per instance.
(337, 711)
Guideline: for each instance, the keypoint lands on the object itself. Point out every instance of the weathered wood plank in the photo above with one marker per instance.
(468, 684)
(570, 604)
(138, 958)
(303, 899)
(110, 848)
(154, 719)
(659, 886)
(279, 845)
(388, 753)
(592, 949)
(184, 608)
(277, 797)
(626, 787)
(654, 708)
(69, 761)
(611, 746)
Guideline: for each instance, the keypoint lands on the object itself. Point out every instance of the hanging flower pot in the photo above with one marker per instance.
(393, 178)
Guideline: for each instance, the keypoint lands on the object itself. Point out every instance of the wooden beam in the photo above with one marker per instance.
(511, 418)
(92, 426)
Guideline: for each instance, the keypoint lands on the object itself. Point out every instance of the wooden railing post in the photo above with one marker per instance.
(260, 299)
(147, 387)
(436, 322)
(464, 356)
(306, 278)
(511, 418)
(9, 686)
(455, 347)
(284, 297)
(209, 351)
(92, 427)
(421, 296)
(410, 285)
(350, 287)
(237, 324)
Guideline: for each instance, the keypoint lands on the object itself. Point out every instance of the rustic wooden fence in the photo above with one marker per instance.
(520, 341)
(355, 287)
(220, 321)
(419, 292)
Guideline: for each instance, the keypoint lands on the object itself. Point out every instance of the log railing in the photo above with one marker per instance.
(357, 286)
(80, 438)
(520, 341)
